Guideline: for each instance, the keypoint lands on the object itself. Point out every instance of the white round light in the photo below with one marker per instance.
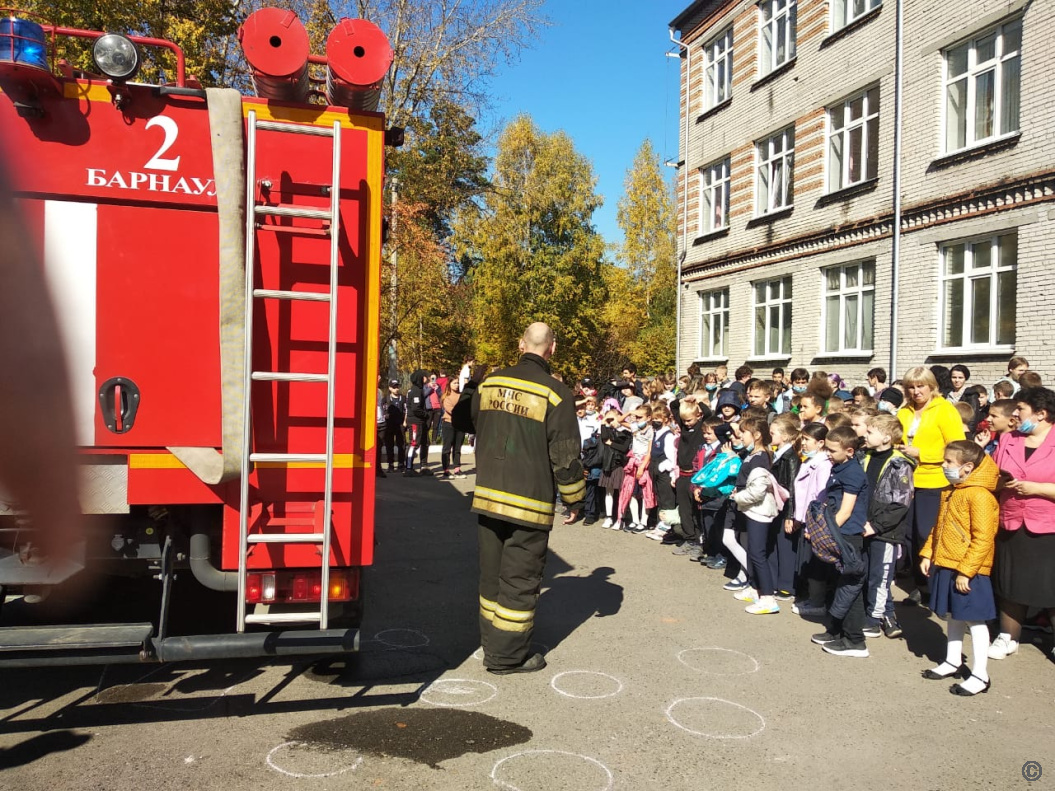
(116, 56)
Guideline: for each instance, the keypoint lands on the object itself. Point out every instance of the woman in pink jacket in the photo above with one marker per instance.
(1024, 570)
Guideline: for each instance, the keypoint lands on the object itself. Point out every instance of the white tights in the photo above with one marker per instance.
(737, 551)
(979, 646)
(635, 511)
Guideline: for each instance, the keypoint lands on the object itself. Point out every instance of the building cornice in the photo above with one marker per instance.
(988, 199)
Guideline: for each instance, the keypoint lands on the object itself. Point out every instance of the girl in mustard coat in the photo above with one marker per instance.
(958, 558)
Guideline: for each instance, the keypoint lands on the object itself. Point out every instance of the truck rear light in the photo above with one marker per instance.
(270, 587)
(253, 588)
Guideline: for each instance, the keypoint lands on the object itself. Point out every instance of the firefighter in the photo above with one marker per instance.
(527, 449)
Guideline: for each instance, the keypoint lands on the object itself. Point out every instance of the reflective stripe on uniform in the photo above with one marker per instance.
(503, 510)
(515, 499)
(487, 608)
(525, 385)
(572, 492)
(513, 615)
(514, 626)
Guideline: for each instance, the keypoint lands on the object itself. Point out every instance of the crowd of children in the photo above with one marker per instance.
(813, 495)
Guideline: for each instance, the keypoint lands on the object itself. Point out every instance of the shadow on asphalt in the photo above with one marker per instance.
(37, 747)
(420, 619)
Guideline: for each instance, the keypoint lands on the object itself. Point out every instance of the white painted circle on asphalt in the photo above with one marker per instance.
(567, 694)
(607, 782)
(738, 719)
(717, 661)
(422, 638)
(272, 764)
(458, 692)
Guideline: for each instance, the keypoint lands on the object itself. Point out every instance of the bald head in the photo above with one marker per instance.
(538, 339)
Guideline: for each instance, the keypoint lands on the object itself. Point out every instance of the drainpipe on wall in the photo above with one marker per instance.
(685, 195)
(896, 244)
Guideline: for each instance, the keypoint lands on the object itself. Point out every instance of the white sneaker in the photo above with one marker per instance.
(607, 522)
(655, 535)
(747, 594)
(767, 605)
(1002, 647)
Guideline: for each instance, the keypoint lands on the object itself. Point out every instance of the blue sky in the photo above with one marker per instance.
(599, 73)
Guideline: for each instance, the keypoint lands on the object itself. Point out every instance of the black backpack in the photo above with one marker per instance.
(614, 455)
(592, 452)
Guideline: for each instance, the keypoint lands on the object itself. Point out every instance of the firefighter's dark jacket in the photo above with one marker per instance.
(527, 443)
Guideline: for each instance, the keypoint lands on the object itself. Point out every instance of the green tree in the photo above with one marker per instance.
(442, 165)
(537, 256)
(648, 293)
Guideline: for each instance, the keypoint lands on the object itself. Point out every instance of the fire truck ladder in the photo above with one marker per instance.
(331, 216)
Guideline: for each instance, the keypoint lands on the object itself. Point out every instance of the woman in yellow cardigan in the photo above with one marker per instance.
(958, 558)
(928, 423)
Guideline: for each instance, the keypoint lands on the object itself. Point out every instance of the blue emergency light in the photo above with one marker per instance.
(23, 42)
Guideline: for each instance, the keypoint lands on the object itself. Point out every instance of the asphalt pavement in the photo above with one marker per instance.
(657, 679)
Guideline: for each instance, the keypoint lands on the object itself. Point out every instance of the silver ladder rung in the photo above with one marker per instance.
(284, 617)
(286, 538)
(297, 129)
(294, 211)
(287, 376)
(287, 457)
(305, 296)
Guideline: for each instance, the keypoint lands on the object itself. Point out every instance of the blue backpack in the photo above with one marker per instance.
(717, 478)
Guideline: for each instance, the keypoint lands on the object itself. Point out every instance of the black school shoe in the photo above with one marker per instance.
(530, 665)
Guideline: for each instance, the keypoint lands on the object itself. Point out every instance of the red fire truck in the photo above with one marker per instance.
(214, 259)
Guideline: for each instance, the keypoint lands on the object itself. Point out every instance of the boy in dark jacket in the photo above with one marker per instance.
(889, 474)
(418, 423)
(395, 425)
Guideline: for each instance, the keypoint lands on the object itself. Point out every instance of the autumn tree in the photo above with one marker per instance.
(644, 291)
(204, 29)
(536, 254)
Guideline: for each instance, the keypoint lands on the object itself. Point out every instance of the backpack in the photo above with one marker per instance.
(615, 454)
(717, 478)
(828, 543)
(592, 452)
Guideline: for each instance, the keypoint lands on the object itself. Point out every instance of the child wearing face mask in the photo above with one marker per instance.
(811, 482)
(637, 492)
(800, 380)
(783, 543)
(958, 558)
(755, 501)
(615, 441)
(663, 465)
(1000, 421)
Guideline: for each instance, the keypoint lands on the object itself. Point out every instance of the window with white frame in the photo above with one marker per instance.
(714, 323)
(849, 307)
(718, 70)
(772, 327)
(776, 157)
(853, 140)
(845, 12)
(777, 33)
(978, 292)
(714, 196)
(982, 86)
